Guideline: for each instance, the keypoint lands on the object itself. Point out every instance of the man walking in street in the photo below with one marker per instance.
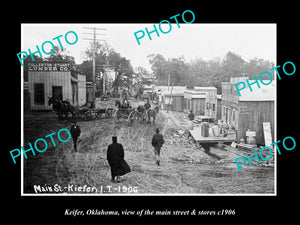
(75, 133)
(157, 142)
(115, 158)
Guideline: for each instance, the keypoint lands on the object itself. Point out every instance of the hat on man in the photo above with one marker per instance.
(114, 139)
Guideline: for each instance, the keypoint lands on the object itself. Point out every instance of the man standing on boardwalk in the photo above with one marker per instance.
(190, 124)
(115, 158)
(157, 142)
(75, 133)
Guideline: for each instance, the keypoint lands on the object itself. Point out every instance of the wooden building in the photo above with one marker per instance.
(54, 79)
(174, 101)
(80, 89)
(195, 101)
(202, 101)
(249, 110)
(211, 100)
(171, 97)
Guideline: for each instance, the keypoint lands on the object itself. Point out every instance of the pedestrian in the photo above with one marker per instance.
(147, 107)
(157, 142)
(191, 117)
(75, 133)
(160, 103)
(115, 158)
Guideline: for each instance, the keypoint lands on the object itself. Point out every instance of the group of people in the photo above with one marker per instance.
(115, 152)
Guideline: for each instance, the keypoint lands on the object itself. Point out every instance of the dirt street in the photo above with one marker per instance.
(185, 167)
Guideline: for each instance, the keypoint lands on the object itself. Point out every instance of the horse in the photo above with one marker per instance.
(152, 113)
(141, 112)
(61, 107)
(119, 104)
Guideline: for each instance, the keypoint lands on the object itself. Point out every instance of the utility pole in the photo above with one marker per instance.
(94, 59)
(169, 79)
(170, 99)
(104, 77)
(104, 81)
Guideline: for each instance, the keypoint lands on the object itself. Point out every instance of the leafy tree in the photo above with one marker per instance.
(199, 72)
(86, 67)
(60, 56)
(141, 74)
(178, 70)
(123, 69)
(107, 57)
(233, 65)
(256, 66)
(159, 68)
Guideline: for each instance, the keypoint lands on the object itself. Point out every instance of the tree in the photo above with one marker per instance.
(107, 57)
(256, 66)
(102, 50)
(60, 56)
(86, 67)
(233, 65)
(123, 69)
(177, 68)
(199, 72)
(179, 71)
(159, 68)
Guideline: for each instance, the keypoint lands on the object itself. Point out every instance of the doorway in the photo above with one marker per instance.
(57, 92)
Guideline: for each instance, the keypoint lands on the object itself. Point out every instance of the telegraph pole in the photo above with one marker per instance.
(94, 59)
(169, 79)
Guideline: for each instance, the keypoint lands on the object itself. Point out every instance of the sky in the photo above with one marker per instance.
(195, 40)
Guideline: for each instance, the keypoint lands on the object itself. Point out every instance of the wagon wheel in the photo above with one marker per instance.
(117, 116)
(108, 112)
(98, 114)
(87, 115)
(131, 117)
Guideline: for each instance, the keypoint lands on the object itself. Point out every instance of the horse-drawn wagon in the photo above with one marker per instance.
(89, 113)
(124, 111)
(64, 108)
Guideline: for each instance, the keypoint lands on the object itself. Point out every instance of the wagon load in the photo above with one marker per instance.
(88, 113)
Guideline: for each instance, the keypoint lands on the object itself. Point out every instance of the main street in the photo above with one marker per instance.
(185, 167)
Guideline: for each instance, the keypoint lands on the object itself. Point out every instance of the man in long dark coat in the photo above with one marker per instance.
(75, 133)
(115, 158)
(190, 124)
(157, 142)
